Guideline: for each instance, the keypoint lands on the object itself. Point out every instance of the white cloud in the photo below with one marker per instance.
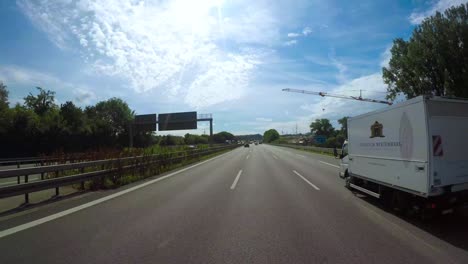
(306, 31)
(223, 80)
(290, 42)
(385, 57)
(417, 17)
(293, 35)
(19, 75)
(167, 45)
(263, 119)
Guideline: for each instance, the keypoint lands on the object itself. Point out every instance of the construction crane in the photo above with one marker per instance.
(323, 94)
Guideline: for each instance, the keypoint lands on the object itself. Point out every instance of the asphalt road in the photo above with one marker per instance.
(262, 204)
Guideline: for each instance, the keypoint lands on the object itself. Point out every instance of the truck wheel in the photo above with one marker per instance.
(347, 181)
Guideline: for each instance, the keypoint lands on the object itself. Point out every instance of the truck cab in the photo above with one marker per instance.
(344, 160)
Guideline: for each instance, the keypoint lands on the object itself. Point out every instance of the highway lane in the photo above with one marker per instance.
(252, 205)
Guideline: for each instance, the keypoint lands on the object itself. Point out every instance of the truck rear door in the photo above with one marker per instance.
(448, 135)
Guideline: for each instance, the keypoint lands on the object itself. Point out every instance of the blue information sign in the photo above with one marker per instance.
(320, 139)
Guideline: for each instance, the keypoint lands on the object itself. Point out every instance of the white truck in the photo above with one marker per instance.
(412, 155)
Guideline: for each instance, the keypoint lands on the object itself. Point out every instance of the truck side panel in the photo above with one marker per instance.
(391, 147)
(448, 130)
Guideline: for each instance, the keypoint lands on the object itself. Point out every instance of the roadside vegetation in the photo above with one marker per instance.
(39, 126)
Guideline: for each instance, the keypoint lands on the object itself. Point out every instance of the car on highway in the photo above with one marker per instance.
(246, 145)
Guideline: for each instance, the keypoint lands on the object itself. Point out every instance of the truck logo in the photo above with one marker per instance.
(376, 130)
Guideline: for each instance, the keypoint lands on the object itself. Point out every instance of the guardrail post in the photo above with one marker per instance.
(26, 195)
(18, 164)
(19, 179)
(42, 173)
(57, 192)
(82, 183)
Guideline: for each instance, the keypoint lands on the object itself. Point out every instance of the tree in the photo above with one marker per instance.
(72, 117)
(3, 96)
(331, 142)
(116, 113)
(42, 102)
(270, 135)
(221, 137)
(434, 60)
(322, 127)
(344, 126)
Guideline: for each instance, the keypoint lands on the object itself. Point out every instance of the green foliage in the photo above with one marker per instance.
(281, 140)
(270, 135)
(249, 137)
(3, 97)
(42, 102)
(73, 119)
(331, 142)
(434, 60)
(41, 127)
(221, 137)
(191, 139)
(170, 140)
(344, 126)
(322, 127)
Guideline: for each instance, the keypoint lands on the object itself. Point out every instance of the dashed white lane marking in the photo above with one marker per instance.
(333, 165)
(274, 156)
(236, 180)
(311, 184)
(248, 155)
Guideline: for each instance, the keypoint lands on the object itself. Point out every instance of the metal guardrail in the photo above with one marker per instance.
(315, 149)
(108, 167)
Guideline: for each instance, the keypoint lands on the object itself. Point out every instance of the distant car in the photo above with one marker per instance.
(246, 145)
(256, 143)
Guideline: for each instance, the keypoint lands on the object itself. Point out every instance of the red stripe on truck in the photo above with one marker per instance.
(437, 149)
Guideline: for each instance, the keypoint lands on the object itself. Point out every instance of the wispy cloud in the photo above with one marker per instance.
(290, 42)
(306, 31)
(417, 17)
(372, 86)
(15, 76)
(20, 75)
(263, 119)
(293, 35)
(176, 45)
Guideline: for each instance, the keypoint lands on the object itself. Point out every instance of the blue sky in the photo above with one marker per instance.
(228, 58)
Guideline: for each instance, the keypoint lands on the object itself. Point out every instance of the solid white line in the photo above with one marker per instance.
(248, 155)
(236, 180)
(329, 164)
(311, 184)
(49, 218)
(301, 155)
